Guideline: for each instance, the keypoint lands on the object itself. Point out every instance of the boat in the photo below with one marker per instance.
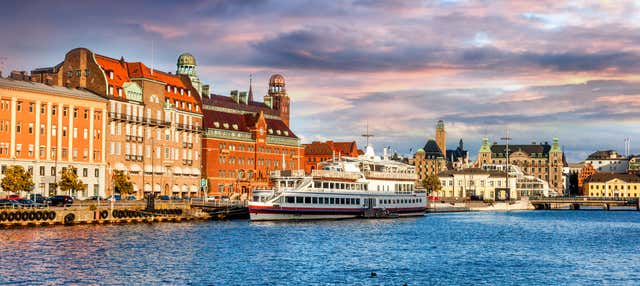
(367, 186)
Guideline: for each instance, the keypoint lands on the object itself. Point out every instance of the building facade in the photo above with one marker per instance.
(317, 152)
(612, 185)
(428, 161)
(541, 160)
(477, 184)
(245, 140)
(154, 119)
(608, 161)
(46, 129)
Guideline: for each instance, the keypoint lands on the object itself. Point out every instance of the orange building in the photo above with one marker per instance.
(154, 119)
(245, 140)
(587, 171)
(46, 129)
(317, 152)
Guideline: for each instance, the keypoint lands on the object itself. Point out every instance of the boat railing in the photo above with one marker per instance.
(387, 175)
(335, 174)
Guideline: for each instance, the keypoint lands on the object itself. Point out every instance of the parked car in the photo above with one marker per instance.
(176, 198)
(60, 201)
(114, 198)
(13, 197)
(25, 203)
(164, 198)
(38, 198)
(131, 198)
(96, 198)
(9, 203)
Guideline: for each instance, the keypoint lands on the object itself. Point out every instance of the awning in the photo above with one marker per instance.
(175, 188)
(185, 188)
(195, 171)
(158, 169)
(194, 188)
(147, 187)
(157, 188)
(120, 167)
(148, 169)
(177, 170)
(135, 168)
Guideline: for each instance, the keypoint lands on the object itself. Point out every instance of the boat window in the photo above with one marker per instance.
(307, 200)
(321, 200)
(342, 201)
(325, 185)
(331, 201)
(299, 200)
(290, 200)
(315, 200)
(317, 185)
(357, 201)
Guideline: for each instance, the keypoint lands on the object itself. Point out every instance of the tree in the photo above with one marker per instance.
(17, 179)
(69, 181)
(122, 183)
(431, 183)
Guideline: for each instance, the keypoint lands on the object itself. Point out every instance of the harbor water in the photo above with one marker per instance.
(500, 248)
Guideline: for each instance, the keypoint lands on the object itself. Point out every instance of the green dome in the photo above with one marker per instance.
(186, 59)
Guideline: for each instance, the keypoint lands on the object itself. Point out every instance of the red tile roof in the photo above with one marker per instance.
(331, 148)
(244, 122)
(123, 72)
(228, 102)
(346, 148)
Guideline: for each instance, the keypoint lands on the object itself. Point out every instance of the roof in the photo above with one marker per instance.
(540, 150)
(432, 150)
(243, 123)
(123, 72)
(605, 155)
(228, 102)
(331, 148)
(605, 177)
(58, 90)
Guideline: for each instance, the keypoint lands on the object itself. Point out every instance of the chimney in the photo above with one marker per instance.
(206, 90)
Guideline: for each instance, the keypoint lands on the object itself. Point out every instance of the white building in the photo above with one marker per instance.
(608, 161)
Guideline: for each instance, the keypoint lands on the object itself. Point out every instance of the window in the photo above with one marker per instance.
(31, 106)
(96, 172)
(299, 200)
(85, 114)
(53, 171)
(307, 200)
(18, 127)
(19, 106)
(41, 170)
(30, 128)
(85, 172)
(290, 200)
(75, 113)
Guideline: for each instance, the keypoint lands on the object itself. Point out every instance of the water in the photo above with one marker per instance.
(515, 248)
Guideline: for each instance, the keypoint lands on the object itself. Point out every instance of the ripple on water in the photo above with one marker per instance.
(515, 248)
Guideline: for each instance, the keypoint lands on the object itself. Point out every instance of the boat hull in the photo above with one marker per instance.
(263, 213)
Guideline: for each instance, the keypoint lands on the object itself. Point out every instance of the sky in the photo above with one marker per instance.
(538, 69)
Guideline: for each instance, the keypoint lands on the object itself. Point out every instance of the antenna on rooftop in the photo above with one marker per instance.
(152, 56)
(2, 59)
(367, 134)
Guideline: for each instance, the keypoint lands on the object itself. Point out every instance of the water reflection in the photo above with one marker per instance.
(442, 249)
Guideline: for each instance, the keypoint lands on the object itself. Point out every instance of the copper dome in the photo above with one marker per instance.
(276, 80)
(186, 59)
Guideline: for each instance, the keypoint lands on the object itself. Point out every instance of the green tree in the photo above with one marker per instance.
(431, 183)
(122, 183)
(69, 181)
(17, 179)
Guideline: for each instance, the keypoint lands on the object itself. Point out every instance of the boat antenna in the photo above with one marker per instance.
(367, 135)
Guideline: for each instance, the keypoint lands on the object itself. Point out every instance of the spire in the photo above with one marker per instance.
(555, 147)
(250, 89)
(485, 148)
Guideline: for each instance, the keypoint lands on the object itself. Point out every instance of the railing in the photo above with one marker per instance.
(386, 175)
(584, 199)
(335, 174)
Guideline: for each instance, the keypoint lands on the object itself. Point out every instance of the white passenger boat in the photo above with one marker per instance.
(367, 186)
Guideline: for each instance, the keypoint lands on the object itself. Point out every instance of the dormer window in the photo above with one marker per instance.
(182, 104)
(168, 88)
(286, 133)
(110, 74)
(189, 106)
(197, 108)
(216, 124)
(120, 92)
(235, 126)
(225, 125)
(270, 131)
(175, 89)
(189, 93)
(278, 132)
(110, 90)
(181, 91)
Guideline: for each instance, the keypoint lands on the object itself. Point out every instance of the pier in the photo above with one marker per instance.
(575, 203)
(223, 209)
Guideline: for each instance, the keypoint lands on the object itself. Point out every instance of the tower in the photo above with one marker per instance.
(187, 66)
(278, 95)
(556, 163)
(484, 154)
(441, 137)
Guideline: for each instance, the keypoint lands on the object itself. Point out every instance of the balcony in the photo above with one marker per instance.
(187, 145)
(140, 158)
(187, 162)
(186, 127)
(127, 157)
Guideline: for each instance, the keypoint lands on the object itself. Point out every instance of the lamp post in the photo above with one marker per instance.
(506, 138)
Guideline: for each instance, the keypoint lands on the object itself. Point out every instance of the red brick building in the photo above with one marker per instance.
(317, 152)
(244, 140)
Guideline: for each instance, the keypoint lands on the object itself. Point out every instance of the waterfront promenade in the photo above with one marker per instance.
(492, 248)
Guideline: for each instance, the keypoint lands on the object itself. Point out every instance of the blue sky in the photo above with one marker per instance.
(540, 69)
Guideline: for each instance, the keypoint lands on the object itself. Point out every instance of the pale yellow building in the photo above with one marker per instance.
(476, 183)
(612, 185)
